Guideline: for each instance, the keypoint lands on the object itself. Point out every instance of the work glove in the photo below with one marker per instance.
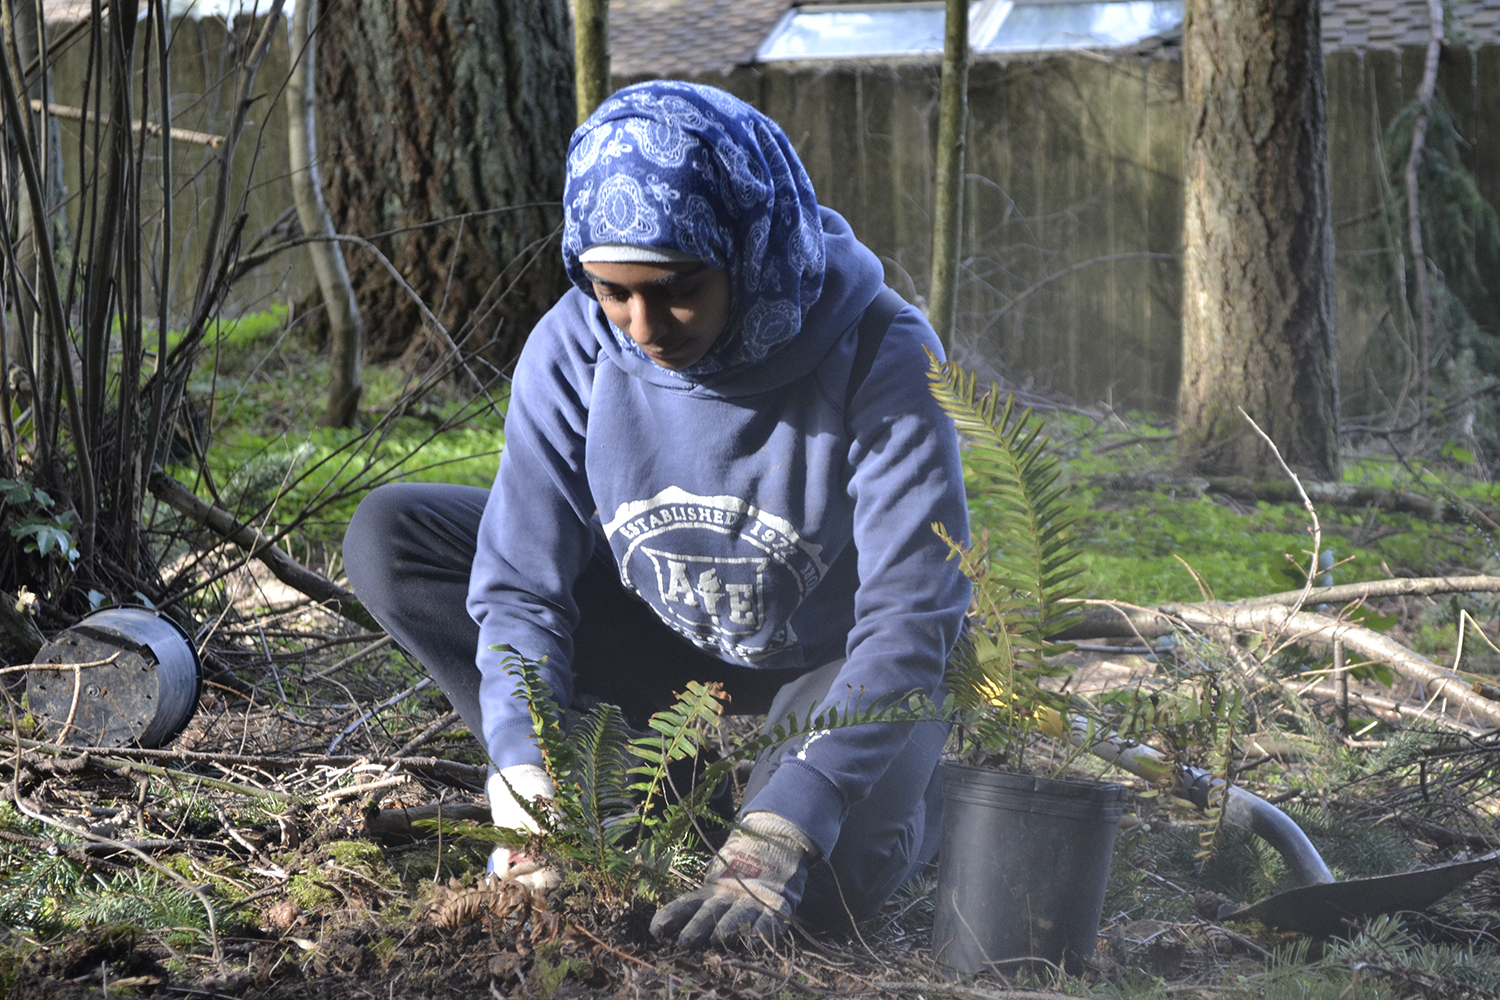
(530, 784)
(750, 891)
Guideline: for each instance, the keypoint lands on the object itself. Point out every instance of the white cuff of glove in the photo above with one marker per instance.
(528, 783)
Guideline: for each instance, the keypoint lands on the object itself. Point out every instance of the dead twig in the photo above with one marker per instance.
(152, 128)
(286, 569)
(962, 992)
(1391, 707)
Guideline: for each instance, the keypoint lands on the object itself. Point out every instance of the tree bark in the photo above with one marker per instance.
(433, 112)
(345, 328)
(591, 54)
(947, 216)
(1258, 296)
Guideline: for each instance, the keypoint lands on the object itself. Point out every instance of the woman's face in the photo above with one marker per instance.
(674, 312)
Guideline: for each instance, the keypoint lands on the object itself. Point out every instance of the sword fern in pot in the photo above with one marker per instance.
(1022, 563)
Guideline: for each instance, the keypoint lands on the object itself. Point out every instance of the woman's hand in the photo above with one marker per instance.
(751, 889)
(506, 790)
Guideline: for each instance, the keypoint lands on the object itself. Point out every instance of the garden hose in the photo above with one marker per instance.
(1242, 808)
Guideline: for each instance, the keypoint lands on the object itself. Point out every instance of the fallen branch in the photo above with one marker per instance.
(1390, 706)
(449, 772)
(400, 823)
(286, 569)
(1280, 491)
(114, 763)
(1307, 625)
(1116, 621)
(1398, 587)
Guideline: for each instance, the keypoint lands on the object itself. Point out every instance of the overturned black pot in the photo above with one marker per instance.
(1022, 871)
(120, 676)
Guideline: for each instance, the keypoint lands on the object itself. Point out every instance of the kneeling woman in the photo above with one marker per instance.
(721, 463)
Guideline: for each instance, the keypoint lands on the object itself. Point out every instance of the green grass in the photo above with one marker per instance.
(1136, 543)
(264, 395)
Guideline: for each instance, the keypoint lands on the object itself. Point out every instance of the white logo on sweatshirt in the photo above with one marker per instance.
(716, 569)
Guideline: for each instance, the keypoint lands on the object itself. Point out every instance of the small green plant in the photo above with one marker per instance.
(620, 819)
(1022, 565)
(36, 523)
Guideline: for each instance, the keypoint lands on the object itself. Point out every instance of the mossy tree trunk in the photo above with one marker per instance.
(433, 112)
(591, 54)
(1258, 297)
(947, 216)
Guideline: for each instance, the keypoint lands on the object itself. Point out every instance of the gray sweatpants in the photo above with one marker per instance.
(408, 551)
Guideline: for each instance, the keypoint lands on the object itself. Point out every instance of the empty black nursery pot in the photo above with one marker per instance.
(120, 676)
(1022, 870)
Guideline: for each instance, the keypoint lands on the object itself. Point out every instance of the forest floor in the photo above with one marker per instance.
(274, 809)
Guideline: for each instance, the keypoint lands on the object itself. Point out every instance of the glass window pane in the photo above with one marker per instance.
(1038, 26)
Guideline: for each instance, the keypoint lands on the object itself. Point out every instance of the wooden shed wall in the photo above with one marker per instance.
(1073, 211)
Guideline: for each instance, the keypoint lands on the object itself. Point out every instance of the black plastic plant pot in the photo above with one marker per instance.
(1022, 871)
(120, 676)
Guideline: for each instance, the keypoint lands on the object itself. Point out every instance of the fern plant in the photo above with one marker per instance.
(622, 819)
(1022, 564)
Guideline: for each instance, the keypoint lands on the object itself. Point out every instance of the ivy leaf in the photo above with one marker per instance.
(42, 537)
(1457, 452)
(16, 493)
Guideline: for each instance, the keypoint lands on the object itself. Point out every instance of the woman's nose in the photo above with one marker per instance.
(647, 320)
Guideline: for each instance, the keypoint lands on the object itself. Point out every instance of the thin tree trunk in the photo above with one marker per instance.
(591, 54)
(1258, 296)
(1425, 93)
(345, 328)
(433, 113)
(25, 35)
(947, 219)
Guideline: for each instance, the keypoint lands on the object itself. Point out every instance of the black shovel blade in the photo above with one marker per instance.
(1322, 909)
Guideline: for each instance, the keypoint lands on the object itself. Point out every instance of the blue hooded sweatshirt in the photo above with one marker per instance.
(756, 515)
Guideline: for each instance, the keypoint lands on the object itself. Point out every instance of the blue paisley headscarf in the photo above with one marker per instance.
(680, 166)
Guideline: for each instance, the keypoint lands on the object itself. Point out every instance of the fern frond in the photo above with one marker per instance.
(1023, 567)
(1014, 473)
(679, 731)
(559, 756)
(606, 810)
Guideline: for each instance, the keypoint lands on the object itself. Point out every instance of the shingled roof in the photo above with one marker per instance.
(1395, 24)
(691, 37)
(687, 37)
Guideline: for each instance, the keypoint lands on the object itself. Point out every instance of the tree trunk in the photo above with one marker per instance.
(591, 54)
(1258, 298)
(947, 216)
(435, 111)
(345, 330)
